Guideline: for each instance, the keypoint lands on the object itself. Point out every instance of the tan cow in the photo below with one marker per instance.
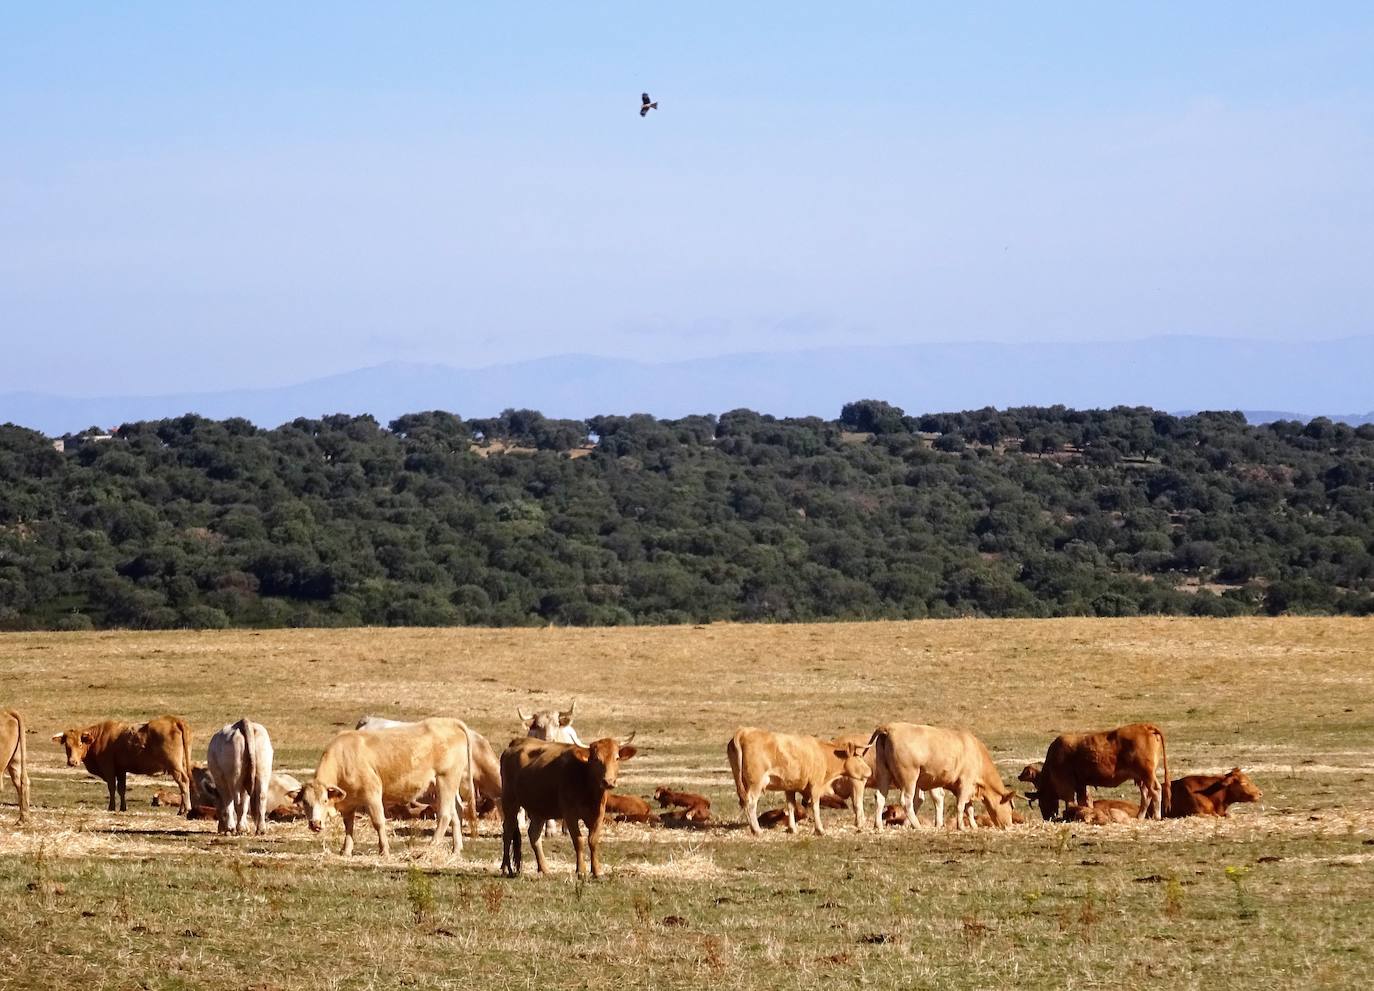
(112, 751)
(14, 756)
(1077, 761)
(367, 770)
(1103, 812)
(912, 757)
(485, 766)
(551, 724)
(761, 760)
(550, 780)
(1211, 794)
(842, 789)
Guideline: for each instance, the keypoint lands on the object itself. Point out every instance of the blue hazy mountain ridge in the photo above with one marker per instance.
(1273, 379)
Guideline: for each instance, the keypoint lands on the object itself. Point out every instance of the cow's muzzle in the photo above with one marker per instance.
(316, 826)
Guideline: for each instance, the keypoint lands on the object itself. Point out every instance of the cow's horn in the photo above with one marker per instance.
(521, 713)
(629, 739)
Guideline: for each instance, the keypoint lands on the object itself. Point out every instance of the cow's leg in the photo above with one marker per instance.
(858, 800)
(183, 780)
(510, 845)
(963, 806)
(880, 809)
(447, 805)
(751, 812)
(224, 814)
(537, 843)
(111, 784)
(910, 803)
(377, 813)
(790, 803)
(937, 795)
(594, 847)
(816, 810)
(240, 824)
(348, 820)
(574, 829)
(122, 782)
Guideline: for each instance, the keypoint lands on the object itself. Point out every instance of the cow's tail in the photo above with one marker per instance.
(21, 749)
(186, 764)
(1164, 759)
(881, 744)
(257, 787)
(735, 752)
(472, 783)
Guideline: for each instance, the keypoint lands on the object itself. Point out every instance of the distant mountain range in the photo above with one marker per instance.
(1171, 373)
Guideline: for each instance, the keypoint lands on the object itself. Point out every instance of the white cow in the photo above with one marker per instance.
(551, 725)
(240, 763)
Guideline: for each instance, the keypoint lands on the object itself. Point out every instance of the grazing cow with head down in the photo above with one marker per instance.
(912, 757)
(1077, 761)
(550, 780)
(112, 751)
(14, 756)
(761, 760)
(1211, 794)
(368, 770)
(240, 761)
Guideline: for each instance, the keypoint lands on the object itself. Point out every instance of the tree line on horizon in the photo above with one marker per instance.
(521, 519)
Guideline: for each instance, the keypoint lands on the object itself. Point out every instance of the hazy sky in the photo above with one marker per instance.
(194, 198)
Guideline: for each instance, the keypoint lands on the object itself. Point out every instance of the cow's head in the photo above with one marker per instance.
(1030, 773)
(75, 742)
(316, 801)
(855, 768)
(1000, 805)
(603, 759)
(545, 723)
(1235, 788)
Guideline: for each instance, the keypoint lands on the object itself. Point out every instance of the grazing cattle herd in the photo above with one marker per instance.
(442, 768)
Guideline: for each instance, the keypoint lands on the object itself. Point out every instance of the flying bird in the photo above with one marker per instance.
(645, 105)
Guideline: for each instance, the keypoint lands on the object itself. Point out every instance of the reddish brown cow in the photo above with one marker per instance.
(696, 808)
(112, 751)
(1077, 761)
(14, 757)
(1211, 794)
(557, 781)
(630, 808)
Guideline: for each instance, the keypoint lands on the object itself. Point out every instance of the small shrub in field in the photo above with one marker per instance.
(420, 894)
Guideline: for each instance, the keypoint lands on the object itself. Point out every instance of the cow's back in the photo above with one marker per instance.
(937, 755)
(402, 760)
(781, 761)
(535, 774)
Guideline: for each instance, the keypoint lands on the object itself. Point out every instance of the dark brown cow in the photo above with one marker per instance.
(14, 757)
(1078, 761)
(557, 781)
(112, 751)
(630, 808)
(696, 808)
(1211, 794)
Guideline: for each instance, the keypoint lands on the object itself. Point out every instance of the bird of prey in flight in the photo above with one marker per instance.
(645, 105)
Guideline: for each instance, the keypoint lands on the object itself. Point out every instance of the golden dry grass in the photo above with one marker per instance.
(1044, 905)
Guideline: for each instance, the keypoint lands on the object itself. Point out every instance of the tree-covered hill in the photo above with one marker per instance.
(520, 519)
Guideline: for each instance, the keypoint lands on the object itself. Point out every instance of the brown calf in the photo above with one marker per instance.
(1211, 794)
(1102, 812)
(112, 751)
(696, 808)
(630, 808)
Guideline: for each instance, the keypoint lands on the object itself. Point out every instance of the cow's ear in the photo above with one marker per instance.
(335, 793)
(1234, 770)
(87, 738)
(57, 737)
(295, 794)
(625, 753)
(582, 754)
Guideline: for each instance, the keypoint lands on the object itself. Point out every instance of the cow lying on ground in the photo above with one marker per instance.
(366, 770)
(111, 751)
(913, 757)
(485, 766)
(550, 780)
(1103, 812)
(630, 808)
(695, 808)
(205, 797)
(14, 757)
(1211, 794)
(795, 765)
(239, 757)
(1077, 761)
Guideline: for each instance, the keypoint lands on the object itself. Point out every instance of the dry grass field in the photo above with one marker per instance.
(1279, 895)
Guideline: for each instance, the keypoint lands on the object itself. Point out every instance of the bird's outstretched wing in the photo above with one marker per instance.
(643, 110)
(644, 98)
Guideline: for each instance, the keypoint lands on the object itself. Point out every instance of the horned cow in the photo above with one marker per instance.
(113, 750)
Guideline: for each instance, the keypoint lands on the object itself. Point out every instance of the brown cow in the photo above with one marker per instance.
(762, 760)
(1103, 812)
(1077, 761)
(551, 780)
(112, 751)
(14, 757)
(368, 770)
(1211, 794)
(696, 808)
(912, 757)
(630, 808)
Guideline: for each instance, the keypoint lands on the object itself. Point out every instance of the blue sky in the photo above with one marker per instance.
(199, 199)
